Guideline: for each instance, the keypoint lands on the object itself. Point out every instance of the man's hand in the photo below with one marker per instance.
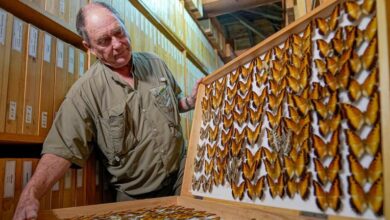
(191, 99)
(27, 208)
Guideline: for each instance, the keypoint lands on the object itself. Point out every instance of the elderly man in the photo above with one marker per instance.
(127, 106)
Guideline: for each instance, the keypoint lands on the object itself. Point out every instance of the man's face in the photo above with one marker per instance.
(109, 40)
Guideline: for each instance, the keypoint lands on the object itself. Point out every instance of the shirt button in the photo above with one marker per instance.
(154, 130)
(143, 110)
(117, 158)
(162, 151)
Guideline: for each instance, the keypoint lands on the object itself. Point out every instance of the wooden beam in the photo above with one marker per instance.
(265, 15)
(248, 25)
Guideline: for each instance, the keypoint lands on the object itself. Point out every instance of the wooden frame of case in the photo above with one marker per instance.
(237, 210)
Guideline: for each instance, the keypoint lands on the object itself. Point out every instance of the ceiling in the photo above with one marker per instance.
(244, 23)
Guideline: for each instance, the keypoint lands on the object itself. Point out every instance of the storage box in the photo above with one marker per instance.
(297, 116)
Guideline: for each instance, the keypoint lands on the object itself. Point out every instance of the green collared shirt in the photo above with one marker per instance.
(136, 129)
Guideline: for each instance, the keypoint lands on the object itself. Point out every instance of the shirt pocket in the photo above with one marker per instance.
(117, 137)
(163, 100)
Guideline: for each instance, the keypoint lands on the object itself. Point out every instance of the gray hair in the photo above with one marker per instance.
(80, 19)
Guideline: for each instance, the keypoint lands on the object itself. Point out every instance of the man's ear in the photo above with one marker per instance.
(88, 47)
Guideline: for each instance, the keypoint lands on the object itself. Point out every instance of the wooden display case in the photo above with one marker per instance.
(220, 200)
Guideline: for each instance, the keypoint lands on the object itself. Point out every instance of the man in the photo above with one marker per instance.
(126, 106)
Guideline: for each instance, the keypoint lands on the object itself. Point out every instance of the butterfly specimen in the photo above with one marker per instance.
(242, 101)
(217, 100)
(229, 106)
(357, 118)
(222, 153)
(255, 116)
(213, 133)
(361, 200)
(318, 92)
(207, 185)
(219, 178)
(239, 136)
(295, 167)
(338, 46)
(269, 155)
(248, 171)
(360, 147)
(321, 66)
(220, 84)
(369, 55)
(354, 36)
(324, 48)
(259, 100)
(198, 165)
(366, 175)
(242, 116)
(278, 52)
(276, 188)
(200, 149)
(209, 167)
(234, 77)
(340, 80)
(326, 110)
(244, 87)
(278, 74)
(226, 136)
(330, 124)
(267, 59)
(326, 26)
(227, 122)
(294, 115)
(302, 186)
(211, 149)
(259, 65)
(300, 81)
(244, 72)
(330, 173)
(335, 64)
(296, 126)
(277, 88)
(255, 190)
(231, 92)
(253, 136)
(354, 10)
(274, 170)
(299, 140)
(355, 63)
(252, 159)
(204, 132)
(303, 105)
(261, 79)
(275, 101)
(330, 199)
(216, 117)
(371, 29)
(238, 190)
(366, 89)
(323, 149)
(274, 120)
(221, 163)
(196, 183)
(236, 147)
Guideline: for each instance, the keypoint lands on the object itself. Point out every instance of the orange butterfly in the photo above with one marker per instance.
(200, 149)
(198, 165)
(234, 77)
(296, 62)
(335, 63)
(324, 48)
(354, 36)
(307, 31)
(219, 178)
(239, 136)
(229, 107)
(217, 100)
(259, 65)
(274, 120)
(248, 172)
(357, 118)
(226, 136)
(326, 26)
(277, 66)
(360, 200)
(238, 190)
(253, 158)
(255, 116)
(255, 190)
(221, 162)
(220, 84)
(297, 85)
(366, 89)
(370, 145)
(232, 92)
(208, 90)
(227, 122)
(258, 100)
(241, 117)
(276, 189)
(222, 153)
(354, 10)
(244, 72)
(261, 79)
(369, 55)
(253, 136)
(318, 92)
(330, 173)
(330, 124)
(371, 29)
(242, 101)
(338, 45)
(276, 87)
(236, 147)
(326, 110)
(321, 67)
(209, 167)
(298, 140)
(207, 185)
(302, 187)
(297, 126)
(323, 149)
(275, 101)
(329, 199)
(245, 87)
(301, 45)
(278, 75)
(270, 156)
(267, 59)
(355, 63)
(339, 80)
(366, 175)
(274, 170)
(294, 116)
(278, 52)
(213, 133)
(304, 105)
(295, 167)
